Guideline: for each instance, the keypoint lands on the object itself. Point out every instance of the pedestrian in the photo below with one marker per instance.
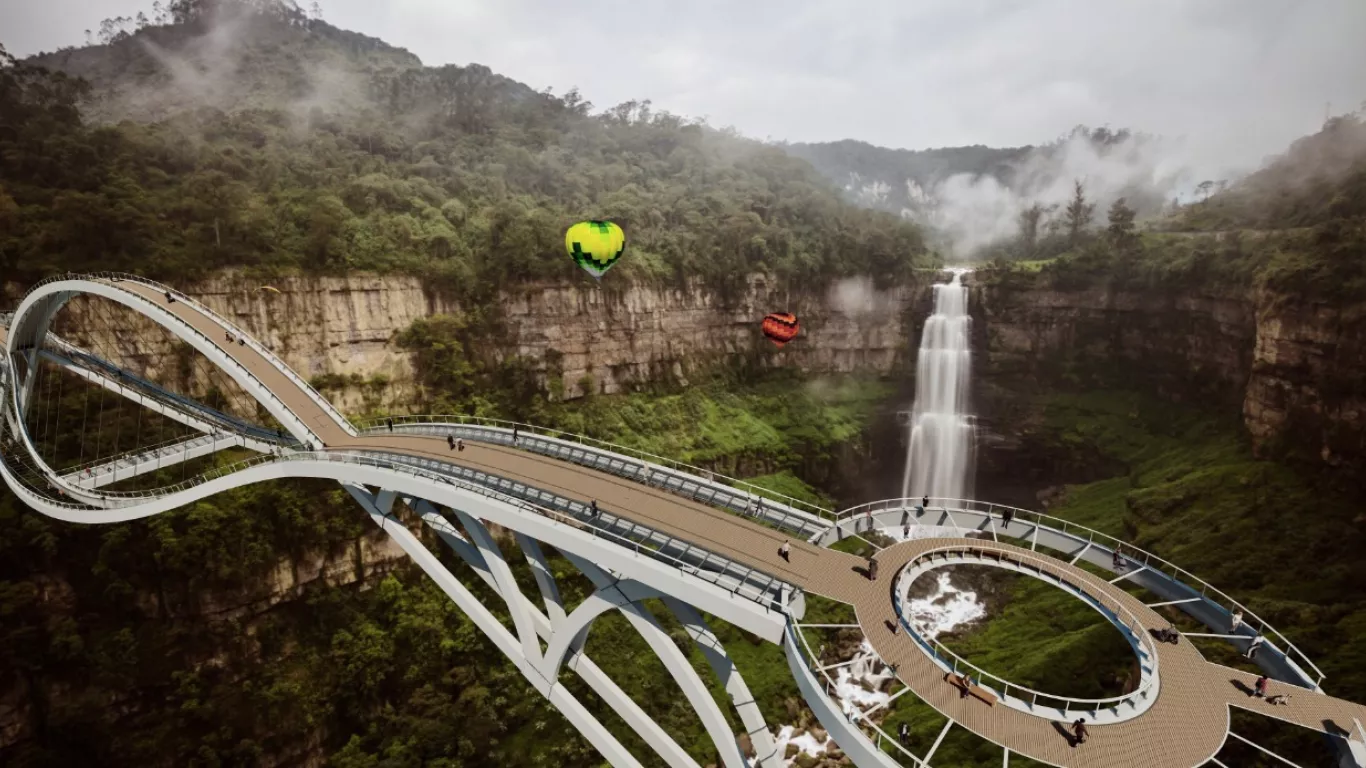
(1259, 687)
(1255, 646)
(759, 509)
(1006, 517)
(390, 422)
(906, 531)
(872, 568)
(1117, 562)
(785, 551)
(1237, 620)
(965, 688)
(1279, 699)
(1079, 731)
(868, 519)
(228, 334)
(903, 733)
(242, 340)
(514, 434)
(450, 442)
(821, 653)
(169, 298)
(925, 503)
(896, 625)
(459, 444)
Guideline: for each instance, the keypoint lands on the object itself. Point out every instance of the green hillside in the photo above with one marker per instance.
(452, 173)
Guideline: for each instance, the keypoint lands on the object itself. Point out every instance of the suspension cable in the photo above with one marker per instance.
(57, 438)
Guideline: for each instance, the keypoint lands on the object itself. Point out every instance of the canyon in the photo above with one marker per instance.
(1289, 369)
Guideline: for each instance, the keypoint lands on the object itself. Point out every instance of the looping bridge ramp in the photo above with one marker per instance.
(642, 527)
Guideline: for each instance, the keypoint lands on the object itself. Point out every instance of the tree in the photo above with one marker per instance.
(1121, 231)
(1078, 215)
(1205, 187)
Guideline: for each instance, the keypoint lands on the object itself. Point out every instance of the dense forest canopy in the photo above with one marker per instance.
(302, 147)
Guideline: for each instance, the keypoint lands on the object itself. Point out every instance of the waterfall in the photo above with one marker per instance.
(940, 451)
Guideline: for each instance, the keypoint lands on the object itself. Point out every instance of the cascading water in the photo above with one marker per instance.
(939, 458)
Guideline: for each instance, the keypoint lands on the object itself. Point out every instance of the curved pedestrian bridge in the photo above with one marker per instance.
(542, 486)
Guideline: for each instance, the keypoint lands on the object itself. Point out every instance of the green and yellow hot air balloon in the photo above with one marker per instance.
(595, 245)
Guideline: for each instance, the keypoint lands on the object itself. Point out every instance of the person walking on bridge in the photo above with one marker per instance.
(1006, 517)
(872, 568)
(459, 444)
(593, 509)
(1079, 731)
(514, 434)
(169, 298)
(450, 441)
(1259, 687)
(1255, 646)
(785, 551)
(1237, 620)
(390, 423)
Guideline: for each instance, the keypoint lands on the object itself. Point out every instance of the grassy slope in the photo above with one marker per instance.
(1047, 640)
(1257, 530)
(766, 432)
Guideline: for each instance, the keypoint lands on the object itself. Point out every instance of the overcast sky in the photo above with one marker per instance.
(1246, 76)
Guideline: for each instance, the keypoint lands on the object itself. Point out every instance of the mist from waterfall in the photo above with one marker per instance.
(939, 454)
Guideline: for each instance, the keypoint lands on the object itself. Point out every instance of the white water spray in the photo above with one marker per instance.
(940, 453)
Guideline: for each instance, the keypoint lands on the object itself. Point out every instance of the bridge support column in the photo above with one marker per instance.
(679, 668)
(765, 751)
(562, 699)
(507, 587)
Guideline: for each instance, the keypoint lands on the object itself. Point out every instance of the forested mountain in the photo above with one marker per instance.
(253, 135)
(898, 180)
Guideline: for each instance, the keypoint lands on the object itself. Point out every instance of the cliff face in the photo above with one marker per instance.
(341, 332)
(1292, 369)
(1308, 382)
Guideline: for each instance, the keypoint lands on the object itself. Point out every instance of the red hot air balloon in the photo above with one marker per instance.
(781, 327)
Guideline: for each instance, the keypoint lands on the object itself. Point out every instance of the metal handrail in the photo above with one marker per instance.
(740, 588)
(810, 660)
(1043, 567)
(378, 424)
(1091, 535)
(266, 353)
(157, 448)
(151, 390)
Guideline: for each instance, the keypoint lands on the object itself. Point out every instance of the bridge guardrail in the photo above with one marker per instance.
(813, 665)
(1090, 535)
(741, 588)
(191, 408)
(378, 425)
(260, 349)
(1044, 568)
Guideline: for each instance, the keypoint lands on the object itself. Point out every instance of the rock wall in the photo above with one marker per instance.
(1292, 369)
(341, 332)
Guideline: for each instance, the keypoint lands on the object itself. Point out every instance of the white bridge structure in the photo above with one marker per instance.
(641, 527)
